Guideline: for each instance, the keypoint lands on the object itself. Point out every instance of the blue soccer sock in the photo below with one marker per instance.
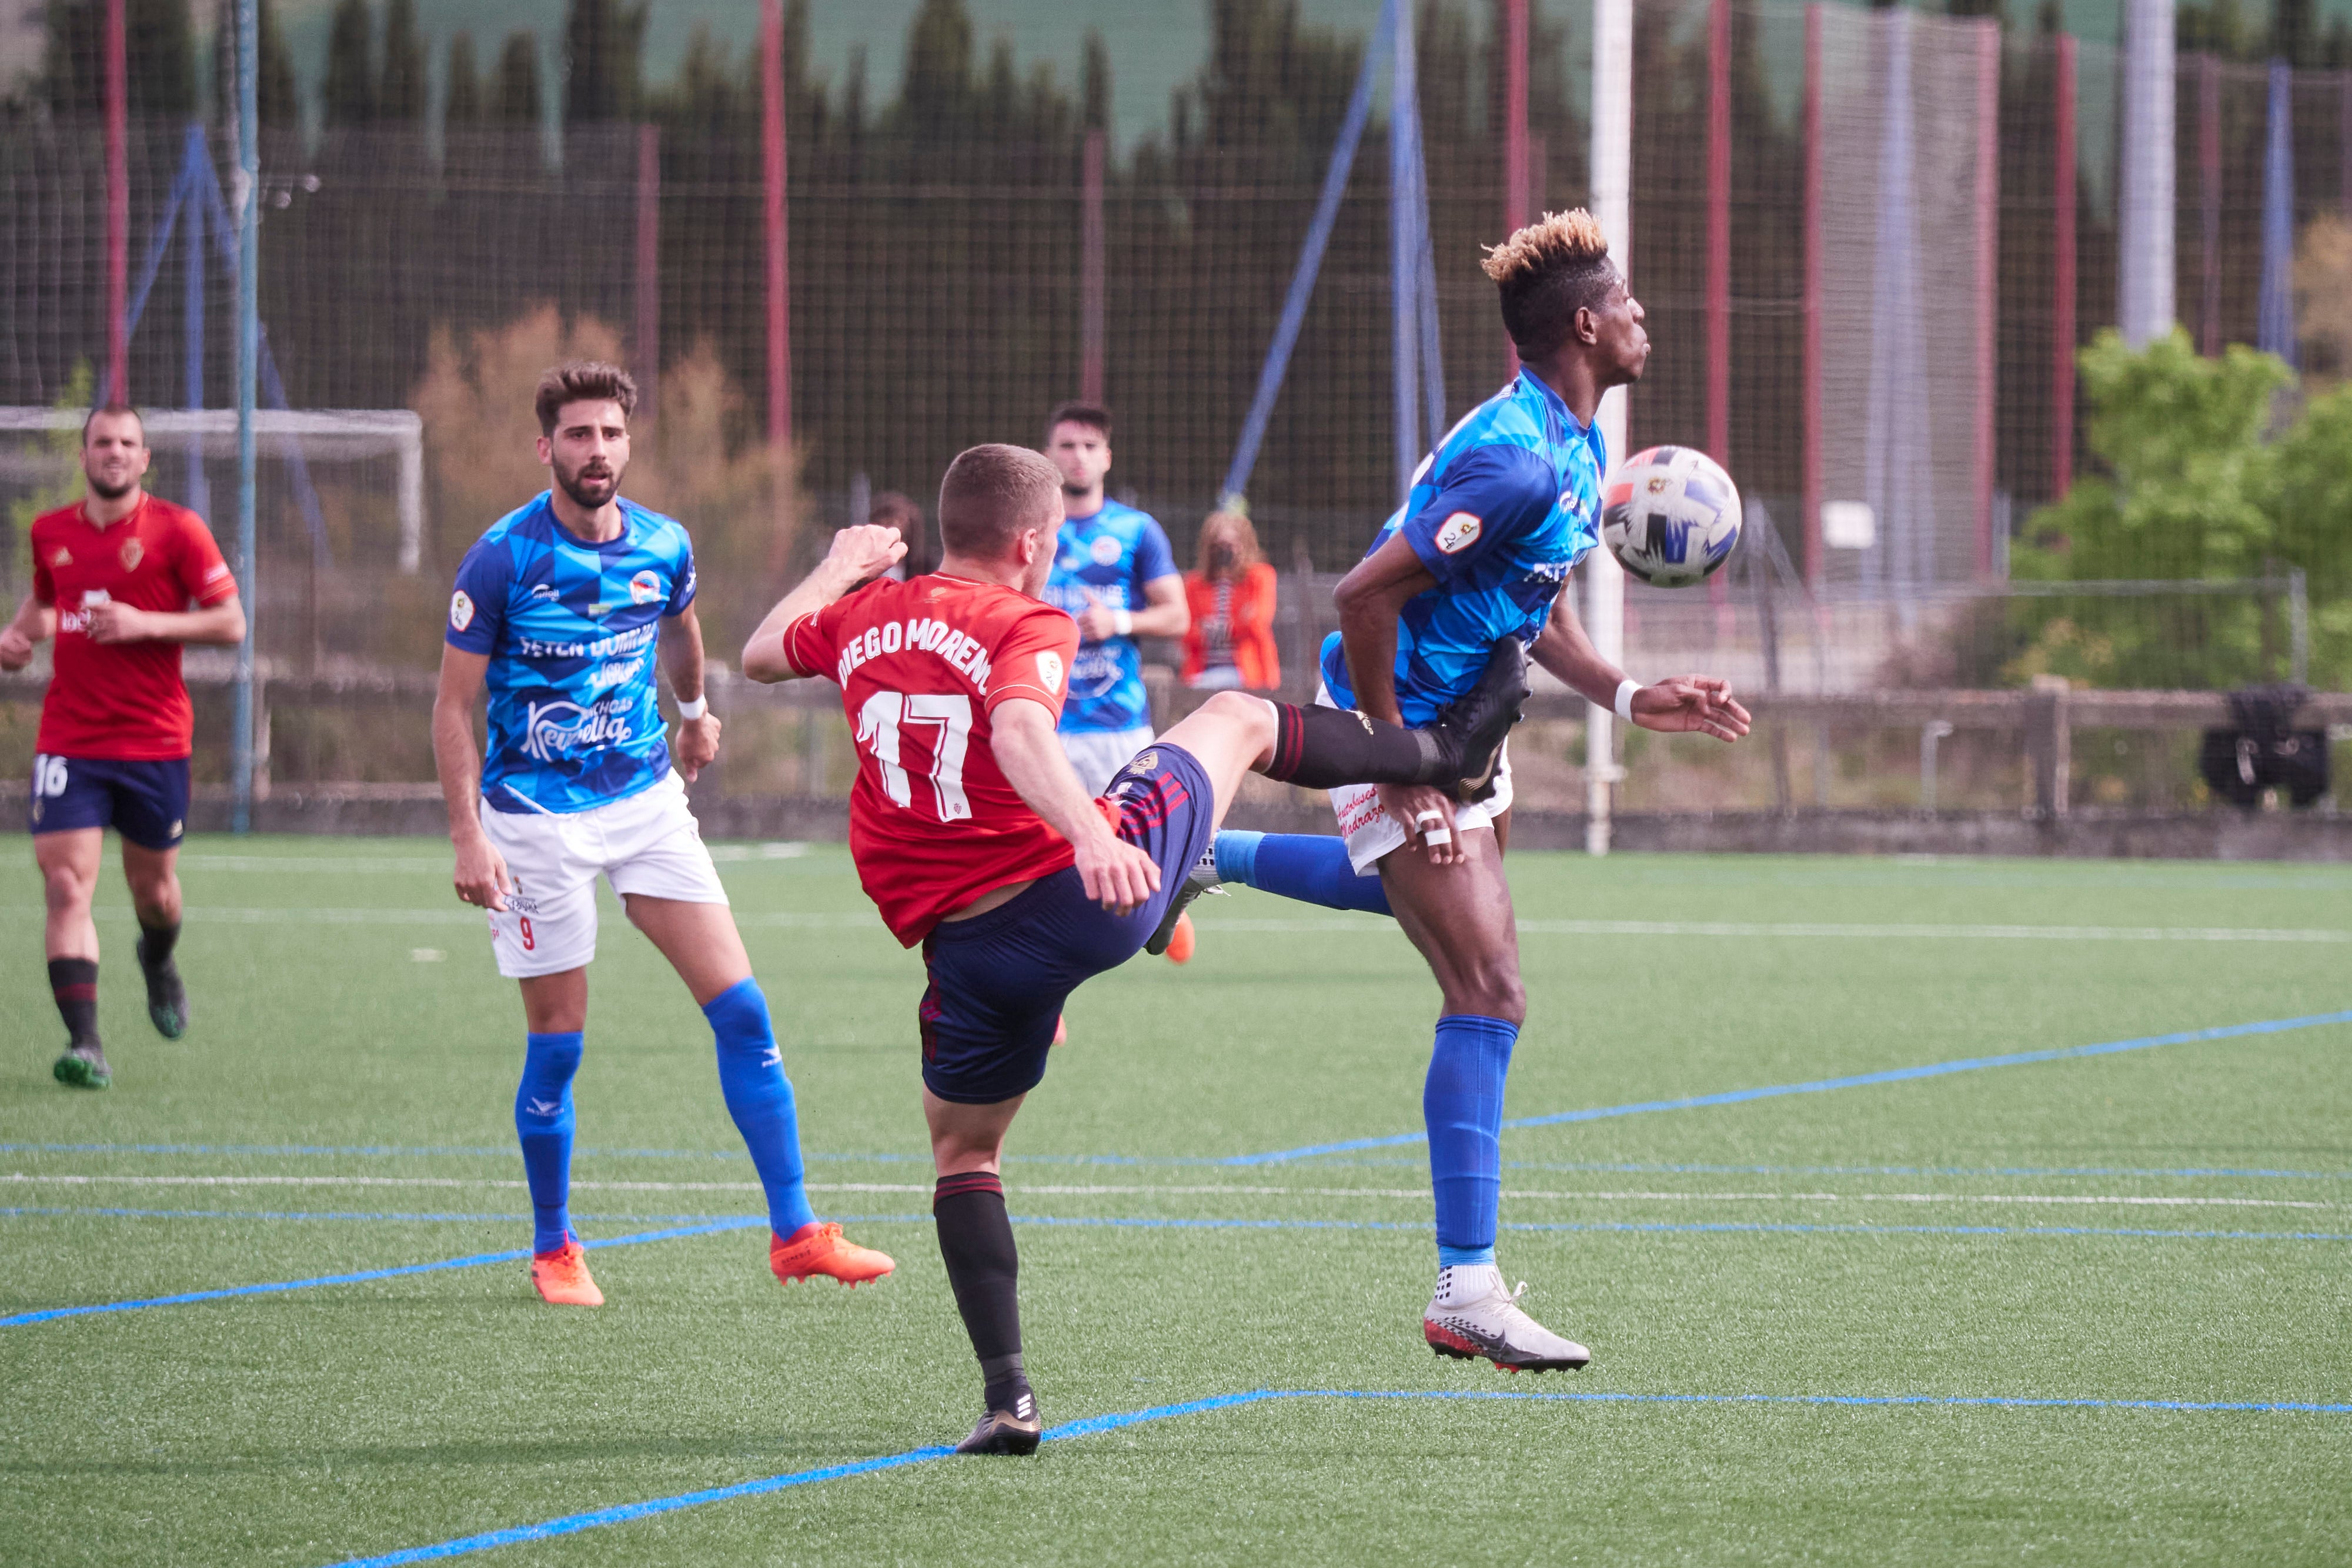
(543, 1123)
(759, 1097)
(1308, 867)
(1463, 1104)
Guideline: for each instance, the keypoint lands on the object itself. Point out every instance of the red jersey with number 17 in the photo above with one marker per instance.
(934, 824)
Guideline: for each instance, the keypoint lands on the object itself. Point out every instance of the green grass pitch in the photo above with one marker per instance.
(2167, 1224)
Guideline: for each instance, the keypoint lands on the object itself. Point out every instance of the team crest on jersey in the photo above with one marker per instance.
(1049, 671)
(133, 552)
(1145, 762)
(1459, 532)
(1105, 551)
(461, 610)
(644, 588)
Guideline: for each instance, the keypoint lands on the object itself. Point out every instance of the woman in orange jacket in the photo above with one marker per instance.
(1230, 644)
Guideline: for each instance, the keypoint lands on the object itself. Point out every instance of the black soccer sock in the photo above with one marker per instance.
(155, 944)
(985, 1271)
(1325, 747)
(74, 982)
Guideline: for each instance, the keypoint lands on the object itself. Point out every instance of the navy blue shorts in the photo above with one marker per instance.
(997, 980)
(146, 802)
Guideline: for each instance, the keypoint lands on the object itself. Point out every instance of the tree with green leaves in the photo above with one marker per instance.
(461, 97)
(159, 57)
(515, 97)
(604, 42)
(347, 96)
(400, 90)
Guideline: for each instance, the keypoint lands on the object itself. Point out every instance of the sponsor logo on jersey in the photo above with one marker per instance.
(614, 673)
(552, 729)
(546, 591)
(461, 610)
(644, 588)
(1049, 670)
(133, 552)
(1106, 550)
(1459, 532)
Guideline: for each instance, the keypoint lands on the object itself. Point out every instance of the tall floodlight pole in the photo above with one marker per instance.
(248, 362)
(2144, 264)
(1612, 205)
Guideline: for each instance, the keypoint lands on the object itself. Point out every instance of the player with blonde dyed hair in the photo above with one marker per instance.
(1476, 568)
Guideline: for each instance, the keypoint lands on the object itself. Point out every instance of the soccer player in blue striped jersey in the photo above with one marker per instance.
(1479, 564)
(561, 607)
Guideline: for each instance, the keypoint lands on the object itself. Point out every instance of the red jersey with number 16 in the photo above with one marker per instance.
(934, 824)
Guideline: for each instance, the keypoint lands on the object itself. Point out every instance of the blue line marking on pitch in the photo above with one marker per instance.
(1824, 1085)
(475, 1261)
(573, 1523)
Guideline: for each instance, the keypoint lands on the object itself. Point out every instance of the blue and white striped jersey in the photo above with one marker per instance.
(571, 629)
(1500, 514)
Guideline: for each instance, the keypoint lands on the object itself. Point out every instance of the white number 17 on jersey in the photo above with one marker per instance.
(879, 723)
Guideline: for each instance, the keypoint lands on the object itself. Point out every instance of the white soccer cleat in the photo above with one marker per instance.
(1472, 1316)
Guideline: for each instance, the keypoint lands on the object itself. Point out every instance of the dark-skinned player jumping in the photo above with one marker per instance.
(1477, 566)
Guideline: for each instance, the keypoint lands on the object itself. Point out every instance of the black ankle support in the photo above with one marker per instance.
(1325, 747)
(155, 944)
(984, 1269)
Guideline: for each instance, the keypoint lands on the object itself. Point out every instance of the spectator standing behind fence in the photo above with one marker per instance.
(1230, 644)
(892, 510)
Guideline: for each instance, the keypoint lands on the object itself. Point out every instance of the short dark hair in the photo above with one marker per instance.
(1548, 271)
(113, 408)
(991, 492)
(1094, 416)
(582, 380)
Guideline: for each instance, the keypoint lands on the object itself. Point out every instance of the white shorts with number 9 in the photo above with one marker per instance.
(648, 843)
(1372, 832)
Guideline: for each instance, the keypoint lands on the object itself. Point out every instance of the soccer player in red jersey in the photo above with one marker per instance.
(975, 839)
(113, 576)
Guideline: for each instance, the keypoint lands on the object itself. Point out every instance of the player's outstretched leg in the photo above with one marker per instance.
(1312, 868)
(559, 1267)
(759, 1097)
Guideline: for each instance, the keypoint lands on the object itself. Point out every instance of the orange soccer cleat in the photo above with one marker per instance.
(1180, 940)
(819, 1248)
(560, 1277)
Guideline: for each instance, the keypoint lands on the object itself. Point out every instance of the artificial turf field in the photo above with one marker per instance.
(1761, 1278)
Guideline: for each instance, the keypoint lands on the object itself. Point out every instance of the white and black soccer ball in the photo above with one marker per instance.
(1670, 515)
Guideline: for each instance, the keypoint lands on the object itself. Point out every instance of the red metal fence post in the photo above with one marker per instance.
(771, 141)
(647, 349)
(1090, 273)
(2061, 279)
(1516, 177)
(1815, 565)
(118, 210)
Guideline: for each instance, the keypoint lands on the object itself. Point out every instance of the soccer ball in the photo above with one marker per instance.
(1670, 515)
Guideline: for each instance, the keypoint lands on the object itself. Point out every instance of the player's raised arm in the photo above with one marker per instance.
(1117, 875)
(857, 554)
(35, 622)
(1685, 705)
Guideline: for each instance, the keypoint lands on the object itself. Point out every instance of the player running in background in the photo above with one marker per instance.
(562, 606)
(1115, 574)
(976, 839)
(113, 575)
(1479, 559)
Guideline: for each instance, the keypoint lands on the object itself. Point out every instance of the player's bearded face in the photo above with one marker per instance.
(113, 458)
(592, 477)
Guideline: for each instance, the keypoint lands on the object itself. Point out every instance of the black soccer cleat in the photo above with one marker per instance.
(167, 999)
(1202, 878)
(1014, 1431)
(1476, 724)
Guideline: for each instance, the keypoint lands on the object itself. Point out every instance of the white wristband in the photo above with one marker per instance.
(1625, 690)
(694, 709)
(1122, 623)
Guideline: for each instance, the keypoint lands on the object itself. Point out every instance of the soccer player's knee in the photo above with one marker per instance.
(66, 887)
(1494, 991)
(1251, 716)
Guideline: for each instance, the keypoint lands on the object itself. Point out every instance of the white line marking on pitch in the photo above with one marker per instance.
(1421, 1193)
(787, 920)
